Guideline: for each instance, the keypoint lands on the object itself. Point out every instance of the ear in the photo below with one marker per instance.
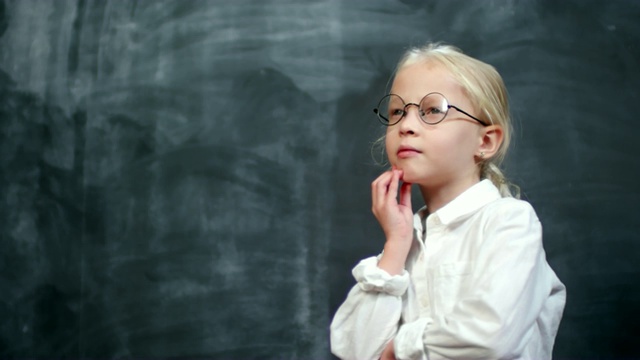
(490, 140)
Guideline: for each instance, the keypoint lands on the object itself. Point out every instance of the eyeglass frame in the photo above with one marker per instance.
(449, 106)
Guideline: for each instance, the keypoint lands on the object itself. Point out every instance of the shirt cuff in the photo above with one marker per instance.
(408, 343)
(371, 278)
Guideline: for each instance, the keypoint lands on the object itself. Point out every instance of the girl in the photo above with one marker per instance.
(466, 276)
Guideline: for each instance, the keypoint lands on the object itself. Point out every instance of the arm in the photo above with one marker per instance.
(395, 218)
(496, 316)
(368, 319)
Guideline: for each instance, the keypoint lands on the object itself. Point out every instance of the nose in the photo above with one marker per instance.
(411, 120)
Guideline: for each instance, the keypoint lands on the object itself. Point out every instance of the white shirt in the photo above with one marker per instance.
(476, 286)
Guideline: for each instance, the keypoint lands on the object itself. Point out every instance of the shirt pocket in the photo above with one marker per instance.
(451, 282)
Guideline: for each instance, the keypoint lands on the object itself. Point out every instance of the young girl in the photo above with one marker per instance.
(465, 277)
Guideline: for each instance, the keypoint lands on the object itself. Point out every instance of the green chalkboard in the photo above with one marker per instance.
(191, 178)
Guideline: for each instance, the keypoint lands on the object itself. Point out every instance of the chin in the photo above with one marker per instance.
(410, 171)
(408, 175)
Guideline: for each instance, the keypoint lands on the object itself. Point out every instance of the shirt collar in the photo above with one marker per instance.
(468, 202)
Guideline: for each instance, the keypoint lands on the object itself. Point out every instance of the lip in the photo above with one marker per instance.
(406, 151)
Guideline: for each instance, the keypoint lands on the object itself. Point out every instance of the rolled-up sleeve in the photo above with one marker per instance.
(369, 317)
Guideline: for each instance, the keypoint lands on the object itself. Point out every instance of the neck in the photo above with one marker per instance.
(437, 196)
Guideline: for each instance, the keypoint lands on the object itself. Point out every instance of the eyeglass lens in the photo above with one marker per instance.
(432, 108)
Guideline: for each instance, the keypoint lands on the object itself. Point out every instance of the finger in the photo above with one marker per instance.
(383, 177)
(392, 194)
(405, 194)
(379, 188)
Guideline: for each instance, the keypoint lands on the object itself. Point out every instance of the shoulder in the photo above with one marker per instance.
(509, 206)
(510, 213)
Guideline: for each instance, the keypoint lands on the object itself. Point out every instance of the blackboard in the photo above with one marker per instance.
(191, 178)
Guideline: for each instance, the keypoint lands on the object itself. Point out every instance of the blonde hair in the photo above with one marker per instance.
(486, 91)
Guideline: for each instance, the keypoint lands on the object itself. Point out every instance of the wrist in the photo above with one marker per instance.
(394, 257)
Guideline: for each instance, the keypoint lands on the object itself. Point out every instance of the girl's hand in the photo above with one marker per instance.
(395, 217)
(388, 353)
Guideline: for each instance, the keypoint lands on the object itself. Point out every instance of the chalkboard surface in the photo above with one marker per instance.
(191, 178)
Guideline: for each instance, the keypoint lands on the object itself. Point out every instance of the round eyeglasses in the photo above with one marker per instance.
(433, 108)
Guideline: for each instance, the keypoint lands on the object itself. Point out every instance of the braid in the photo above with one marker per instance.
(491, 171)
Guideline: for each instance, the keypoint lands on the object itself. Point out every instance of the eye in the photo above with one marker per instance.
(396, 113)
(432, 110)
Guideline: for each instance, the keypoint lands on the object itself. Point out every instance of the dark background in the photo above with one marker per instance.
(191, 178)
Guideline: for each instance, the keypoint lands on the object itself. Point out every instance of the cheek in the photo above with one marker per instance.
(388, 143)
(458, 146)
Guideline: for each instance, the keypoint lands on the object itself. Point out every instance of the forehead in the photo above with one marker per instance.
(414, 81)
